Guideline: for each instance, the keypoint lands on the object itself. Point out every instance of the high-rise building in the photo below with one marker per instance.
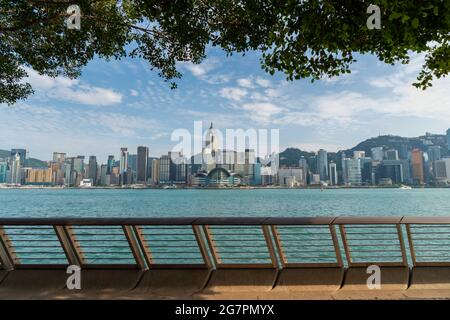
(417, 166)
(303, 164)
(105, 179)
(123, 166)
(155, 171)
(393, 170)
(359, 154)
(142, 164)
(322, 164)
(448, 140)
(110, 164)
(391, 154)
(22, 154)
(434, 153)
(59, 157)
(333, 174)
(93, 170)
(443, 170)
(16, 176)
(35, 176)
(377, 153)
(291, 177)
(164, 169)
(351, 171)
(3, 171)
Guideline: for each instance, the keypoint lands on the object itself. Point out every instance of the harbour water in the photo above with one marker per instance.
(194, 202)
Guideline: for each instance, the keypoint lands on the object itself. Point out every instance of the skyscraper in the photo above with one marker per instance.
(59, 157)
(448, 140)
(3, 170)
(417, 166)
(93, 169)
(322, 164)
(22, 154)
(110, 164)
(123, 165)
(351, 171)
(303, 163)
(333, 174)
(142, 164)
(15, 166)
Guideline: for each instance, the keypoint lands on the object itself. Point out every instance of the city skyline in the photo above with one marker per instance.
(396, 160)
(123, 103)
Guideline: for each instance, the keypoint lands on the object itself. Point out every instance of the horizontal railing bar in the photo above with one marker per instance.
(170, 246)
(240, 221)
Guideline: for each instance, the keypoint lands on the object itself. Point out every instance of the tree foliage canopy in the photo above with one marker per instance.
(303, 39)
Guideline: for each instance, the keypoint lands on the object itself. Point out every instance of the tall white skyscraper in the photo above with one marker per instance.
(15, 169)
(333, 174)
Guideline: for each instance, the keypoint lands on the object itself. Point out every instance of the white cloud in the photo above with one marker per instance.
(202, 69)
(263, 82)
(245, 82)
(62, 88)
(134, 93)
(261, 112)
(235, 94)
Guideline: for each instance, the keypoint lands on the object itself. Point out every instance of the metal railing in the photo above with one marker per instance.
(220, 243)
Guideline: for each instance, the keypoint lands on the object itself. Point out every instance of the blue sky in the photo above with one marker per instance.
(124, 103)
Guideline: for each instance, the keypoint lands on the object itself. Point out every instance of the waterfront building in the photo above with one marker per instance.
(142, 164)
(315, 179)
(333, 174)
(267, 176)
(15, 174)
(110, 164)
(312, 164)
(123, 166)
(443, 170)
(155, 171)
(303, 163)
(322, 164)
(93, 169)
(104, 179)
(211, 146)
(132, 162)
(22, 154)
(393, 170)
(351, 171)
(366, 169)
(417, 166)
(165, 165)
(391, 154)
(115, 176)
(377, 153)
(38, 176)
(290, 176)
(448, 140)
(218, 177)
(3, 171)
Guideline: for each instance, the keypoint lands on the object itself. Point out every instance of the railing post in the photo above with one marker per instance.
(202, 246)
(411, 244)
(212, 246)
(279, 245)
(337, 250)
(69, 245)
(402, 244)
(273, 256)
(145, 249)
(345, 243)
(8, 258)
(135, 248)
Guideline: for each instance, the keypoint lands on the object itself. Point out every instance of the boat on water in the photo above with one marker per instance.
(403, 187)
(170, 187)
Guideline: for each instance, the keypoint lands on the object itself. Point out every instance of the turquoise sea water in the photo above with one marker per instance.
(194, 202)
